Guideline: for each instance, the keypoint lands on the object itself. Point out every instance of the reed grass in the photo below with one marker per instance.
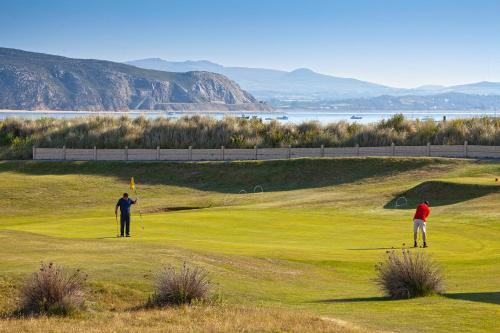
(18, 136)
(53, 291)
(409, 274)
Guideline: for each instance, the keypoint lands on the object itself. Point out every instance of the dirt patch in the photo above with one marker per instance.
(350, 327)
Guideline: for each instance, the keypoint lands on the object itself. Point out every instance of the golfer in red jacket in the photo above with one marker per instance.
(419, 220)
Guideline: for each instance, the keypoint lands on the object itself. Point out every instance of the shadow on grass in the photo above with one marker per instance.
(232, 177)
(375, 248)
(441, 193)
(354, 300)
(154, 210)
(484, 297)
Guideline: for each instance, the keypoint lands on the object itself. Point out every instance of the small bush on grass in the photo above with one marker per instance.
(409, 274)
(172, 287)
(53, 291)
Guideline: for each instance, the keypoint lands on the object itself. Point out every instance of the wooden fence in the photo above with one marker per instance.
(223, 154)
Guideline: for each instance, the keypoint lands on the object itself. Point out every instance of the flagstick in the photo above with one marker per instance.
(139, 206)
(132, 187)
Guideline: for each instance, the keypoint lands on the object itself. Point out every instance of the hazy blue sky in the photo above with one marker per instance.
(394, 42)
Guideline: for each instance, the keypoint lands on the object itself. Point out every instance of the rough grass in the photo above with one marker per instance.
(185, 319)
(309, 242)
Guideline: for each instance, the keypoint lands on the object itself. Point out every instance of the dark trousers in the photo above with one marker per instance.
(124, 224)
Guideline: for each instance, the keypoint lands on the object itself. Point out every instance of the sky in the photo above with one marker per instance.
(401, 43)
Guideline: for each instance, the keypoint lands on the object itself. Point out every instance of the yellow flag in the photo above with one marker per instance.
(132, 184)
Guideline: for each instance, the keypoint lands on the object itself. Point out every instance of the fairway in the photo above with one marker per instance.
(307, 244)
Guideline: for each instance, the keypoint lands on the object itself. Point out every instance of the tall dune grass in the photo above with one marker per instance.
(18, 136)
(52, 290)
(409, 274)
(177, 287)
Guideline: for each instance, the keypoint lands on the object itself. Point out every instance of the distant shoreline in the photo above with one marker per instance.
(275, 111)
(236, 112)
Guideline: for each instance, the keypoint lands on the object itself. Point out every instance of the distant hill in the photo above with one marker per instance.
(46, 82)
(445, 101)
(270, 83)
(479, 88)
(306, 85)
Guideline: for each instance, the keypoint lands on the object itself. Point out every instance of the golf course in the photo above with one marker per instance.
(290, 245)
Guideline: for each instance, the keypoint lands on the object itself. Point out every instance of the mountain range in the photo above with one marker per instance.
(37, 81)
(272, 84)
(305, 84)
(40, 81)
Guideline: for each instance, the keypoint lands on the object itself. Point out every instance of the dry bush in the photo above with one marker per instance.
(409, 274)
(172, 287)
(53, 291)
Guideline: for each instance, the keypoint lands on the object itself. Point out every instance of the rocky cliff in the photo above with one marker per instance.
(35, 81)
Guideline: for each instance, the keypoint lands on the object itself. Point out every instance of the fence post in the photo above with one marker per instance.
(64, 152)
(255, 152)
(126, 153)
(466, 150)
(357, 149)
(289, 151)
(190, 153)
(222, 152)
(393, 147)
(34, 152)
(322, 151)
(95, 153)
(157, 153)
(428, 149)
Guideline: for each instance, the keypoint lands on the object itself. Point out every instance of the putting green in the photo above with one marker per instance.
(310, 241)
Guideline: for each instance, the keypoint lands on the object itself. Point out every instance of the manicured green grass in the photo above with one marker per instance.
(310, 241)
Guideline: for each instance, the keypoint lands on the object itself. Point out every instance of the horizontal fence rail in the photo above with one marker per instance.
(224, 154)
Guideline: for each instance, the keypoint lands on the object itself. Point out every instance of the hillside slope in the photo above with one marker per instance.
(41, 81)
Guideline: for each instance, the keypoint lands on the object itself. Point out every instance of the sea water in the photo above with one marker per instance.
(291, 116)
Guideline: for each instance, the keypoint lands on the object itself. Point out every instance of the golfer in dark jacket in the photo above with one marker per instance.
(124, 203)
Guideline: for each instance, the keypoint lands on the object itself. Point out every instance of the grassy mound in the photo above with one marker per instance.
(232, 177)
(441, 193)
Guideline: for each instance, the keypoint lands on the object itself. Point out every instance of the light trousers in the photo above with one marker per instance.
(419, 224)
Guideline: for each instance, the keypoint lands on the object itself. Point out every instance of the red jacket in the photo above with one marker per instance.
(422, 212)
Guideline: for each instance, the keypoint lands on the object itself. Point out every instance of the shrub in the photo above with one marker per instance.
(172, 287)
(409, 274)
(53, 291)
